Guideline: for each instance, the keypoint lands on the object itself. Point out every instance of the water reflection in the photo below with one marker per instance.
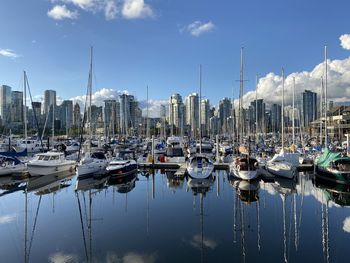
(201, 187)
(280, 220)
(124, 184)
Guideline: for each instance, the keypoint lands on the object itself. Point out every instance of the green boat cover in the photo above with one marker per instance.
(328, 156)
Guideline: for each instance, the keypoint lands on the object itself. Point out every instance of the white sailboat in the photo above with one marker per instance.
(245, 166)
(200, 166)
(92, 163)
(283, 164)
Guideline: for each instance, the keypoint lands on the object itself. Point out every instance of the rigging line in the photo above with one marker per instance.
(35, 220)
(47, 116)
(35, 117)
(82, 226)
(81, 130)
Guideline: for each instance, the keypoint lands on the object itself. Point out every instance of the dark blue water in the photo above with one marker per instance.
(156, 218)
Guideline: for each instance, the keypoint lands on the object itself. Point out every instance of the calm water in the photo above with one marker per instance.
(154, 218)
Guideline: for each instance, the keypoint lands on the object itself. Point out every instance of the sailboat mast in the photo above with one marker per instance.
(67, 121)
(321, 113)
(53, 121)
(293, 113)
(282, 109)
(241, 99)
(25, 105)
(147, 118)
(90, 95)
(325, 96)
(256, 109)
(200, 109)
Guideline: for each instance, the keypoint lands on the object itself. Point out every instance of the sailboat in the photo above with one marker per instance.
(283, 164)
(332, 166)
(93, 163)
(200, 166)
(244, 166)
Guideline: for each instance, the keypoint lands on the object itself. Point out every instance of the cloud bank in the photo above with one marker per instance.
(128, 9)
(338, 84)
(98, 98)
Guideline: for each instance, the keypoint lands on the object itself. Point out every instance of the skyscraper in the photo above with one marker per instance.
(5, 102)
(176, 115)
(110, 120)
(17, 106)
(225, 111)
(66, 114)
(309, 108)
(205, 112)
(49, 100)
(76, 116)
(192, 113)
(276, 118)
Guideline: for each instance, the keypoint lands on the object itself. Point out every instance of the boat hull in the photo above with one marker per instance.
(281, 169)
(244, 175)
(8, 170)
(93, 168)
(39, 169)
(122, 171)
(341, 178)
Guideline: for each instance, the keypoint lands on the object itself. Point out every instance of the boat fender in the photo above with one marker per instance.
(3, 164)
(238, 167)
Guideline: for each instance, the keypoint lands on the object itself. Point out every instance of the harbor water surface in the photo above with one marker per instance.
(154, 217)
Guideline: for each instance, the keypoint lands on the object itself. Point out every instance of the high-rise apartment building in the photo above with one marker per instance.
(309, 109)
(5, 103)
(192, 114)
(176, 115)
(16, 112)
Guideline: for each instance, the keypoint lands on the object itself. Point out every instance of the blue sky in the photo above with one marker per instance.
(151, 43)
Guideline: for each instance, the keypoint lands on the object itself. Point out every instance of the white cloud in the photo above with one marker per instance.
(60, 257)
(111, 10)
(338, 84)
(60, 12)
(84, 4)
(5, 219)
(345, 41)
(130, 9)
(101, 95)
(8, 53)
(197, 28)
(133, 9)
(346, 225)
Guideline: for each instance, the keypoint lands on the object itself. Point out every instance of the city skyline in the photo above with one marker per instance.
(154, 45)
